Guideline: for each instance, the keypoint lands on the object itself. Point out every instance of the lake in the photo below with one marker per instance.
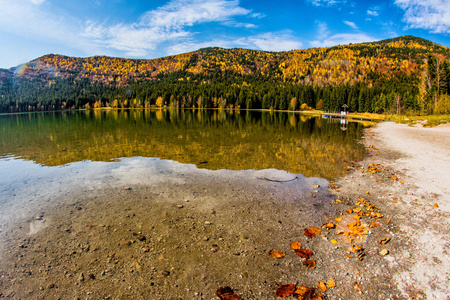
(161, 204)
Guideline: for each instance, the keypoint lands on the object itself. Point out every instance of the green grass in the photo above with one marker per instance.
(427, 121)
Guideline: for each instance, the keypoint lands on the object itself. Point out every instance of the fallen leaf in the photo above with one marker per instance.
(329, 225)
(304, 293)
(387, 220)
(374, 224)
(357, 287)
(384, 241)
(384, 252)
(394, 177)
(227, 293)
(304, 253)
(315, 230)
(285, 290)
(331, 283)
(276, 254)
(333, 242)
(401, 182)
(436, 205)
(296, 245)
(349, 211)
(357, 248)
(309, 234)
(338, 200)
(322, 287)
(310, 263)
(318, 296)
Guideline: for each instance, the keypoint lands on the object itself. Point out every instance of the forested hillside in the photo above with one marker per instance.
(406, 74)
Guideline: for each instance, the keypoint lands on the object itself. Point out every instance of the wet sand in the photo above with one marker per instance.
(153, 229)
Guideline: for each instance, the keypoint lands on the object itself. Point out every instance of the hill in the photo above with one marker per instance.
(368, 77)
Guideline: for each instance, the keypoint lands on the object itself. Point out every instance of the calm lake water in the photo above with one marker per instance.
(162, 204)
(211, 140)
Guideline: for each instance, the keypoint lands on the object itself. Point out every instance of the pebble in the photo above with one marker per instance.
(141, 237)
(207, 223)
(81, 277)
(180, 205)
(165, 273)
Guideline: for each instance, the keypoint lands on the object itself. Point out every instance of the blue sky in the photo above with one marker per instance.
(156, 28)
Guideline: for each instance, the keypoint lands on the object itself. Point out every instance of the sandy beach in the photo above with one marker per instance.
(187, 232)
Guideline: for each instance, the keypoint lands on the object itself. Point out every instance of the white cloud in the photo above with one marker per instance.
(180, 13)
(433, 15)
(25, 18)
(271, 41)
(322, 30)
(342, 39)
(351, 24)
(168, 23)
(327, 3)
(372, 13)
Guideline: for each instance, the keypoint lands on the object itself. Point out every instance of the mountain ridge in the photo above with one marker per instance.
(403, 65)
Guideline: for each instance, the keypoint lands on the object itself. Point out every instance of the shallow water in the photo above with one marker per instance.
(211, 192)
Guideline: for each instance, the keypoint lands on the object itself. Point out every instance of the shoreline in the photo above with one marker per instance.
(406, 176)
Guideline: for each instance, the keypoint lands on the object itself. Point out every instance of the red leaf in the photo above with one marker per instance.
(304, 253)
(285, 290)
(227, 293)
(309, 233)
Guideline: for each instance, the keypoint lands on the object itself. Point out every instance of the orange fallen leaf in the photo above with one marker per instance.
(304, 293)
(374, 224)
(276, 254)
(349, 211)
(304, 253)
(384, 252)
(318, 296)
(329, 225)
(338, 200)
(310, 263)
(387, 220)
(436, 205)
(315, 230)
(357, 287)
(227, 293)
(331, 283)
(394, 177)
(322, 287)
(309, 234)
(285, 290)
(296, 245)
(356, 248)
(384, 241)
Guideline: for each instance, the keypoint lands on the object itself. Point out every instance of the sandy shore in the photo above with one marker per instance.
(421, 158)
(152, 229)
